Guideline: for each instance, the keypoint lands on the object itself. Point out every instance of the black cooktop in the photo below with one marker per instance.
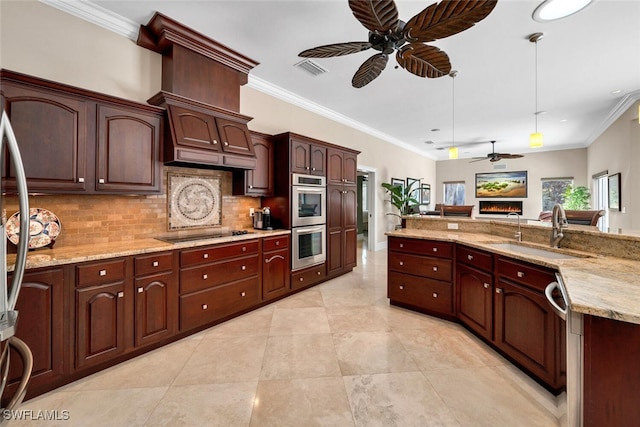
(196, 237)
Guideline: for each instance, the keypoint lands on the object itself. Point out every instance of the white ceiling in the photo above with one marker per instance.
(582, 59)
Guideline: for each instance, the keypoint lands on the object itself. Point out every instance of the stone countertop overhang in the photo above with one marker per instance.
(603, 286)
(76, 254)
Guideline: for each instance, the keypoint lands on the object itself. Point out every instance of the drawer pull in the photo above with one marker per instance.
(318, 273)
(205, 306)
(469, 257)
(250, 187)
(267, 261)
(156, 263)
(435, 268)
(435, 249)
(140, 290)
(402, 245)
(242, 294)
(498, 291)
(301, 279)
(243, 268)
(226, 143)
(101, 181)
(278, 243)
(102, 273)
(205, 276)
(435, 295)
(486, 285)
(401, 262)
(80, 180)
(205, 256)
(244, 249)
(120, 294)
(520, 274)
(401, 287)
(215, 141)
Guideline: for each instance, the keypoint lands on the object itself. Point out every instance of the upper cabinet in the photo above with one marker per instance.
(76, 141)
(341, 167)
(258, 181)
(307, 157)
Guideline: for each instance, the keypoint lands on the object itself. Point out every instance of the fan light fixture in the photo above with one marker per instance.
(535, 139)
(550, 10)
(453, 150)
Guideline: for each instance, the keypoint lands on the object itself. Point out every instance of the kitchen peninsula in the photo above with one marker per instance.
(497, 291)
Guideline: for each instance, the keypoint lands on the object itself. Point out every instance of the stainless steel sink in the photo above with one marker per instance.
(528, 250)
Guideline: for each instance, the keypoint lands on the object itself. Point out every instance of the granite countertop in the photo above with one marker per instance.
(75, 254)
(600, 286)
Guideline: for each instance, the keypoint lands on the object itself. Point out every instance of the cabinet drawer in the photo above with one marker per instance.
(215, 274)
(308, 276)
(475, 258)
(434, 268)
(100, 273)
(422, 247)
(527, 274)
(421, 292)
(203, 307)
(191, 257)
(275, 243)
(154, 263)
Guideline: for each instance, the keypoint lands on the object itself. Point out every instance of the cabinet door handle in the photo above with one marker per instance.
(120, 294)
(205, 256)
(469, 257)
(205, 276)
(102, 273)
(302, 279)
(155, 263)
(242, 294)
(101, 181)
(498, 291)
(520, 274)
(278, 243)
(401, 287)
(251, 186)
(244, 249)
(402, 245)
(226, 143)
(80, 180)
(318, 273)
(140, 290)
(486, 285)
(435, 295)
(313, 169)
(307, 168)
(215, 142)
(205, 306)
(435, 249)
(401, 263)
(243, 268)
(435, 268)
(267, 261)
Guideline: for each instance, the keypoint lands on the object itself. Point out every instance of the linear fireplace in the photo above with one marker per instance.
(500, 207)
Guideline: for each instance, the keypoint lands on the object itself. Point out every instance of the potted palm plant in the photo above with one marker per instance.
(401, 197)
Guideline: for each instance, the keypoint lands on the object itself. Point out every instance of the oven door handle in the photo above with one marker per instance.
(306, 230)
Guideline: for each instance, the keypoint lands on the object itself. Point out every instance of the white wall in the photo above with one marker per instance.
(618, 150)
(547, 164)
(42, 41)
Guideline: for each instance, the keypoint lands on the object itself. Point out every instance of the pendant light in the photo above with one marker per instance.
(535, 139)
(453, 150)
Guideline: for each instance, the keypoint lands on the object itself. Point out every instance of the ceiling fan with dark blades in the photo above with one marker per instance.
(389, 34)
(496, 157)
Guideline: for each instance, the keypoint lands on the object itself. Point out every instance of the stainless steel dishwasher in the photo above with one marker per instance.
(574, 325)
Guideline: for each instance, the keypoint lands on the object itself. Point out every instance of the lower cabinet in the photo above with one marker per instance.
(276, 274)
(308, 276)
(475, 299)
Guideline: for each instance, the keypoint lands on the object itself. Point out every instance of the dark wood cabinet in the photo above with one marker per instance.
(342, 229)
(41, 325)
(156, 297)
(307, 157)
(76, 141)
(420, 275)
(309, 276)
(258, 181)
(474, 289)
(276, 271)
(341, 167)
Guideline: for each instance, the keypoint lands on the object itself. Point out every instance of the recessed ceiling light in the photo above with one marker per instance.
(564, 120)
(435, 130)
(428, 142)
(539, 113)
(550, 10)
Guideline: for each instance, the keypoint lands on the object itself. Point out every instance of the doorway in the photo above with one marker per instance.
(366, 207)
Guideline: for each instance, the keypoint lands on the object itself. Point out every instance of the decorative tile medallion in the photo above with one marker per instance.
(194, 201)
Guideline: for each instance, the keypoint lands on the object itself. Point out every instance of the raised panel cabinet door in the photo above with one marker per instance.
(300, 156)
(350, 168)
(335, 251)
(350, 248)
(335, 167)
(335, 215)
(276, 274)
(475, 299)
(100, 324)
(235, 137)
(156, 308)
(193, 129)
(51, 130)
(350, 207)
(260, 181)
(318, 160)
(41, 327)
(128, 151)
(525, 329)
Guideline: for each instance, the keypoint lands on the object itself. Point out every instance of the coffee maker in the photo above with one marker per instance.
(262, 219)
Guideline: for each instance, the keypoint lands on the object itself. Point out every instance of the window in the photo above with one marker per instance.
(553, 191)
(454, 193)
(600, 197)
(365, 194)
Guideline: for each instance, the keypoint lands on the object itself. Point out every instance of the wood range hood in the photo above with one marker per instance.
(201, 81)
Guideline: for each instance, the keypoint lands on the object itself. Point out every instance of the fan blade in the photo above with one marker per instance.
(423, 60)
(510, 156)
(495, 159)
(369, 70)
(478, 159)
(336, 49)
(446, 18)
(379, 16)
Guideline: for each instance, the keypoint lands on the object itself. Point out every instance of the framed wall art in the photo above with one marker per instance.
(415, 185)
(398, 183)
(614, 182)
(501, 184)
(425, 194)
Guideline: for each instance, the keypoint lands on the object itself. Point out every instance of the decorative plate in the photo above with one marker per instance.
(44, 227)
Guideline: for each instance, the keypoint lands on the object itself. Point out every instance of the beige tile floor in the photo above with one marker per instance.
(334, 355)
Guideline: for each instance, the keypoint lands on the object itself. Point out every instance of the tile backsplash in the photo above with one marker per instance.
(94, 219)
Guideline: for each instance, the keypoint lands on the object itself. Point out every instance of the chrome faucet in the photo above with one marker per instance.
(518, 234)
(558, 223)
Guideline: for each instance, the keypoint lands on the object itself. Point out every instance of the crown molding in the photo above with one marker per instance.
(291, 98)
(97, 15)
(614, 114)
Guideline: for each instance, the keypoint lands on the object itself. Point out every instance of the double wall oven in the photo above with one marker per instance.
(309, 213)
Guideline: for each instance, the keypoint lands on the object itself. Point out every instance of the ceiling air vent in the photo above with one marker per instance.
(311, 67)
(500, 166)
